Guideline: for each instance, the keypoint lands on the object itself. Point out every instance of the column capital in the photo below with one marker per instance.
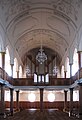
(41, 88)
(12, 64)
(70, 64)
(79, 51)
(11, 89)
(71, 88)
(2, 84)
(65, 90)
(17, 90)
(3, 52)
(79, 82)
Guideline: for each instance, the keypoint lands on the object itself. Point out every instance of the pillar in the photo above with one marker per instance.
(38, 68)
(17, 74)
(71, 101)
(31, 67)
(52, 66)
(65, 74)
(2, 103)
(11, 102)
(80, 59)
(41, 99)
(35, 67)
(65, 100)
(80, 101)
(12, 60)
(3, 60)
(70, 69)
(71, 52)
(17, 100)
(47, 68)
(12, 69)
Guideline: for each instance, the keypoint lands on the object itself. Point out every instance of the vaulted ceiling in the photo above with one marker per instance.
(28, 22)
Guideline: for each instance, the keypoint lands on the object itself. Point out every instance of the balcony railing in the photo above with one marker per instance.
(5, 76)
(77, 76)
(30, 80)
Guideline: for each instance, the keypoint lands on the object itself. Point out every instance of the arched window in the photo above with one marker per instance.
(7, 62)
(75, 62)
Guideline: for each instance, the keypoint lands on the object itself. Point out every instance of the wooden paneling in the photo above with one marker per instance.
(46, 105)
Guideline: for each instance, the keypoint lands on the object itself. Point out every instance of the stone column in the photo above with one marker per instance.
(11, 102)
(12, 69)
(52, 67)
(3, 60)
(35, 67)
(70, 69)
(38, 68)
(47, 68)
(71, 101)
(17, 100)
(80, 101)
(80, 59)
(31, 67)
(41, 99)
(65, 74)
(2, 104)
(12, 61)
(17, 74)
(65, 101)
(70, 61)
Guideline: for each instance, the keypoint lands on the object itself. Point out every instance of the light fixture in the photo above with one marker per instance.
(41, 56)
(55, 70)
(31, 97)
(51, 97)
(27, 70)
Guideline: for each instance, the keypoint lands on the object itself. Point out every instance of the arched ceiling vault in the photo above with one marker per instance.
(55, 22)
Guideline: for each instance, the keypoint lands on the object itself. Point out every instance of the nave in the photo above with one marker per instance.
(50, 114)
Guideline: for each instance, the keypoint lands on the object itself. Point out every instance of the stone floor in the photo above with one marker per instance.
(32, 114)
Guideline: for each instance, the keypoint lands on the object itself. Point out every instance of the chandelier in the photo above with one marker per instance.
(41, 56)
(55, 70)
(27, 70)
